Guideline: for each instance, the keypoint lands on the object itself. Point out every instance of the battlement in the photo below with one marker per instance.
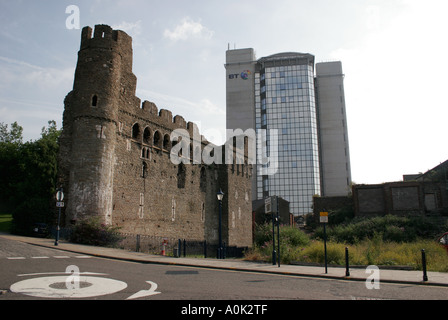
(165, 117)
(241, 144)
(105, 36)
(117, 156)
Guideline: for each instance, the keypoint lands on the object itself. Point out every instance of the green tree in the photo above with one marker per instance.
(31, 171)
(10, 148)
(13, 136)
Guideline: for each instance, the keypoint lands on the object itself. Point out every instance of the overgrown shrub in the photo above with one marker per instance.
(292, 240)
(378, 241)
(288, 235)
(391, 228)
(91, 231)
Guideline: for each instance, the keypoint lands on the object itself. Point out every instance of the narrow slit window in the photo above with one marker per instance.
(94, 101)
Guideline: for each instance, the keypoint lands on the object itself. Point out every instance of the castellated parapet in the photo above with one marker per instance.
(116, 161)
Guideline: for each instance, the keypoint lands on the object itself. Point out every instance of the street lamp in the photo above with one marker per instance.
(220, 195)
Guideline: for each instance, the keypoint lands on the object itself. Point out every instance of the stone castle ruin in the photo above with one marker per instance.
(116, 156)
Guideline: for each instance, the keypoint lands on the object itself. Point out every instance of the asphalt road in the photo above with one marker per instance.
(30, 272)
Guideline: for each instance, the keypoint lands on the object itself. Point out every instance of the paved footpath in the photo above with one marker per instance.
(356, 274)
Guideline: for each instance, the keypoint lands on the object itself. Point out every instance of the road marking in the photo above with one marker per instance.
(45, 257)
(55, 287)
(146, 293)
(48, 273)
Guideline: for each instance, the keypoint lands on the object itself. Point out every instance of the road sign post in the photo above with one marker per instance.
(278, 229)
(324, 220)
(59, 204)
(271, 206)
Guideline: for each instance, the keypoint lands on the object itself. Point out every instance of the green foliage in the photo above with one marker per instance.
(13, 136)
(343, 215)
(5, 222)
(378, 241)
(92, 232)
(288, 235)
(315, 253)
(391, 228)
(291, 240)
(29, 172)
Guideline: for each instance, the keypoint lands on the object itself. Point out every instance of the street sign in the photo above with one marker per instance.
(267, 205)
(60, 196)
(59, 204)
(324, 217)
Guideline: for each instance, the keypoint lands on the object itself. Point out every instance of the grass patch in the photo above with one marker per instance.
(369, 251)
(5, 222)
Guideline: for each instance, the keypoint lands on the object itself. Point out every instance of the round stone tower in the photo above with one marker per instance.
(103, 81)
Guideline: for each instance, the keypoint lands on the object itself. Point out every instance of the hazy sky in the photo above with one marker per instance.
(394, 56)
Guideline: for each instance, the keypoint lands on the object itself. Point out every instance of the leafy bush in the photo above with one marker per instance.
(91, 231)
(315, 253)
(377, 241)
(291, 241)
(288, 235)
(391, 228)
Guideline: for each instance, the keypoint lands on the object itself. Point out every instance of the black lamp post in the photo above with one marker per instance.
(220, 195)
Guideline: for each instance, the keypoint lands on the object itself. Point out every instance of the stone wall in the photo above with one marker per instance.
(400, 198)
(116, 156)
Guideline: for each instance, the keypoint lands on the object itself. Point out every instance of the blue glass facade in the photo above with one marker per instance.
(285, 104)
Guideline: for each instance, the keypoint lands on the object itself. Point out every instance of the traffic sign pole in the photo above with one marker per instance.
(59, 204)
(278, 232)
(325, 246)
(324, 220)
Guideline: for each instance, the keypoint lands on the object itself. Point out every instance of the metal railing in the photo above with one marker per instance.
(176, 247)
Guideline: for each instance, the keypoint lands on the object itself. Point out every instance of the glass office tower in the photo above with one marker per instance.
(285, 104)
(302, 112)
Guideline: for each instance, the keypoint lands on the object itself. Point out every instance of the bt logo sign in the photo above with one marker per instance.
(243, 75)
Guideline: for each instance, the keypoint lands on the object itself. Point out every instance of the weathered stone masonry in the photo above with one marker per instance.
(115, 156)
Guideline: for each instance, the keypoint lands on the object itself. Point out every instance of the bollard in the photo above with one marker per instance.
(185, 248)
(425, 276)
(179, 248)
(347, 271)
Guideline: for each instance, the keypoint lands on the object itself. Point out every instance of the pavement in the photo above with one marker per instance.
(355, 273)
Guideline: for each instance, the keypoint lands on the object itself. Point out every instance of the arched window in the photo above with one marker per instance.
(135, 131)
(146, 136)
(157, 139)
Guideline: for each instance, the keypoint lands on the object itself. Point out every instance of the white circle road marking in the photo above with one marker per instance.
(47, 287)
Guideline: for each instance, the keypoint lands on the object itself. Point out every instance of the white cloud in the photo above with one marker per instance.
(186, 29)
(132, 28)
(15, 72)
